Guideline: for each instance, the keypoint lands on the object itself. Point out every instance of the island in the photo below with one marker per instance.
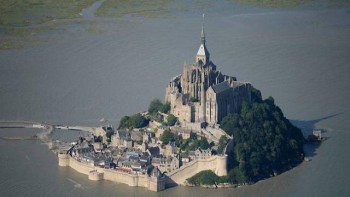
(212, 130)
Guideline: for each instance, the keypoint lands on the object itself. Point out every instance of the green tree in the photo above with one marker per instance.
(165, 108)
(265, 141)
(206, 177)
(222, 144)
(231, 123)
(135, 121)
(154, 106)
(167, 136)
(109, 133)
(171, 120)
(138, 121)
(124, 122)
(204, 144)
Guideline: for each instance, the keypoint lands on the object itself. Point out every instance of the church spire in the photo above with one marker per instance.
(202, 54)
(202, 33)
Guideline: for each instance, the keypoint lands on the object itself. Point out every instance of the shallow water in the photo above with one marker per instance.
(299, 56)
(89, 13)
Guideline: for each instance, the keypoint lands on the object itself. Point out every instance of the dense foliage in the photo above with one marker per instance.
(206, 177)
(185, 144)
(156, 105)
(167, 136)
(222, 144)
(134, 121)
(171, 120)
(194, 143)
(109, 133)
(265, 142)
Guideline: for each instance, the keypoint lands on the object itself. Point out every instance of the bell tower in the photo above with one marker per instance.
(202, 56)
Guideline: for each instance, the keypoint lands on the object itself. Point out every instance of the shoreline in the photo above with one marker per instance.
(97, 173)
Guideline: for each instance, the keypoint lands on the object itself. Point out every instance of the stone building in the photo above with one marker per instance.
(199, 154)
(121, 138)
(166, 164)
(170, 148)
(202, 94)
(101, 131)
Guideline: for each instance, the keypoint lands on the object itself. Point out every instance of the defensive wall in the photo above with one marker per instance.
(216, 163)
(217, 132)
(97, 173)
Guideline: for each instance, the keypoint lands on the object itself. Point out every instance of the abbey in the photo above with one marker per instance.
(202, 95)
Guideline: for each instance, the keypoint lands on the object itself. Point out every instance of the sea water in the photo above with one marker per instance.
(300, 56)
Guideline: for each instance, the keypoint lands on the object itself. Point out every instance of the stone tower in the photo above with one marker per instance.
(221, 165)
(203, 53)
(201, 95)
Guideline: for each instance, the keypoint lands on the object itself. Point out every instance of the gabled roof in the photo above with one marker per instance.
(122, 134)
(220, 87)
(204, 150)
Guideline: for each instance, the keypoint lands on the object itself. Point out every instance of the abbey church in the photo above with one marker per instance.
(202, 95)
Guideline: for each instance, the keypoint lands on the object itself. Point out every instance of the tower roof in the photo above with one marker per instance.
(203, 51)
(202, 33)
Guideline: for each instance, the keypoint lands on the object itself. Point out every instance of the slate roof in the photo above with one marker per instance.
(154, 151)
(123, 134)
(220, 87)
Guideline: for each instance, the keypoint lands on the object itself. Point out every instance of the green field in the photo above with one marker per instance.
(22, 20)
(293, 3)
(119, 8)
(275, 3)
(32, 12)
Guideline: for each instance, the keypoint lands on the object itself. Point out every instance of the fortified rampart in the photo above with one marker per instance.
(97, 173)
(217, 164)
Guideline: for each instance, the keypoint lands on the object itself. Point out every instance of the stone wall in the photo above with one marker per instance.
(217, 132)
(96, 173)
(80, 167)
(217, 164)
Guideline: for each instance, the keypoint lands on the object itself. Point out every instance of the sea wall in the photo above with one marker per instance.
(96, 173)
(80, 167)
(126, 178)
(217, 164)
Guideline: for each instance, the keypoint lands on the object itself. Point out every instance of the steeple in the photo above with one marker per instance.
(202, 54)
(202, 33)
